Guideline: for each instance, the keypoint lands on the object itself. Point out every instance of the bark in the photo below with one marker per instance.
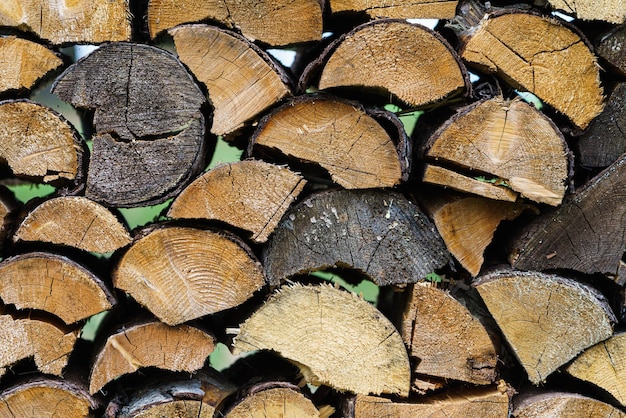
(251, 195)
(421, 9)
(23, 63)
(378, 233)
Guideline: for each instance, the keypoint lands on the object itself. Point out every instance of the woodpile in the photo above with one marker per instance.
(418, 221)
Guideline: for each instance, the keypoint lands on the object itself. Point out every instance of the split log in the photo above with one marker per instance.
(74, 221)
(547, 319)
(612, 11)
(50, 345)
(241, 79)
(181, 273)
(378, 233)
(149, 140)
(152, 344)
(604, 365)
(330, 334)
(421, 9)
(252, 195)
(611, 47)
(273, 400)
(392, 57)
(561, 404)
(491, 189)
(78, 21)
(604, 141)
(54, 284)
(45, 397)
(36, 142)
(446, 338)
(270, 22)
(23, 63)
(510, 140)
(484, 403)
(585, 234)
(537, 54)
(467, 224)
(8, 208)
(339, 136)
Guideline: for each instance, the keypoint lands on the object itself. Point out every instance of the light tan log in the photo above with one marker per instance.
(510, 140)
(74, 221)
(561, 404)
(613, 11)
(546, 319)
(446, 338)
(44, 397)
(484, 403)
(336, 338)
(152, 344)
(420, 9)
(23, 63)
(442, 176)
(181, 274)
(468, 224)
(241, 79)
(37, 142)
(393, 56)
(539, 55)
(252, 195)
(340, 136)
(604, 365)
(274, 402)
(22, 338)
(91, 21)
(270, 22)
(54, 284)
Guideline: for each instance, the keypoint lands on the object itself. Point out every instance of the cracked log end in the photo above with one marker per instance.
(562, 404)
(406, 9)
(612, 11)
(23, 63)
(278, 401)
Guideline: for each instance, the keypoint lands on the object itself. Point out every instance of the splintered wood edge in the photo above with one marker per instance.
(23, 63)
(544, 404)
(160, 271)
(153, 344)
(317, 68)
(579, 309)
(274, 401)
(62, 221)
(75, 294)
(46, 395)
(442, 176)
(214, 194)
(421, 9)
(294, 315)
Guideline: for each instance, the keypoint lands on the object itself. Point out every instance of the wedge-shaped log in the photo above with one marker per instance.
(74, 221)
(390, 56)
(270, 22)
(379, 233)
(586, 233)
(537, 54)
(181, 274)
(340, 136)
(241, 79)
(330, 334)
(76, 21)
(487, 403)
(151, 344)
(420, 9)
(49, 345)
(23, 63)
(252, 195)
(36, 142)
(604, 365)
(446, 338)
(45, 397)
(149, 140)
(55, 284)
(562, 404)
(613, 11)
(273, 401)
(467, 224)
(510, 140)
(547, 319)
(604, 142)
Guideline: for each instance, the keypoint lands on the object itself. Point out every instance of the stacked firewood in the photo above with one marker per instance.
(473, 173)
